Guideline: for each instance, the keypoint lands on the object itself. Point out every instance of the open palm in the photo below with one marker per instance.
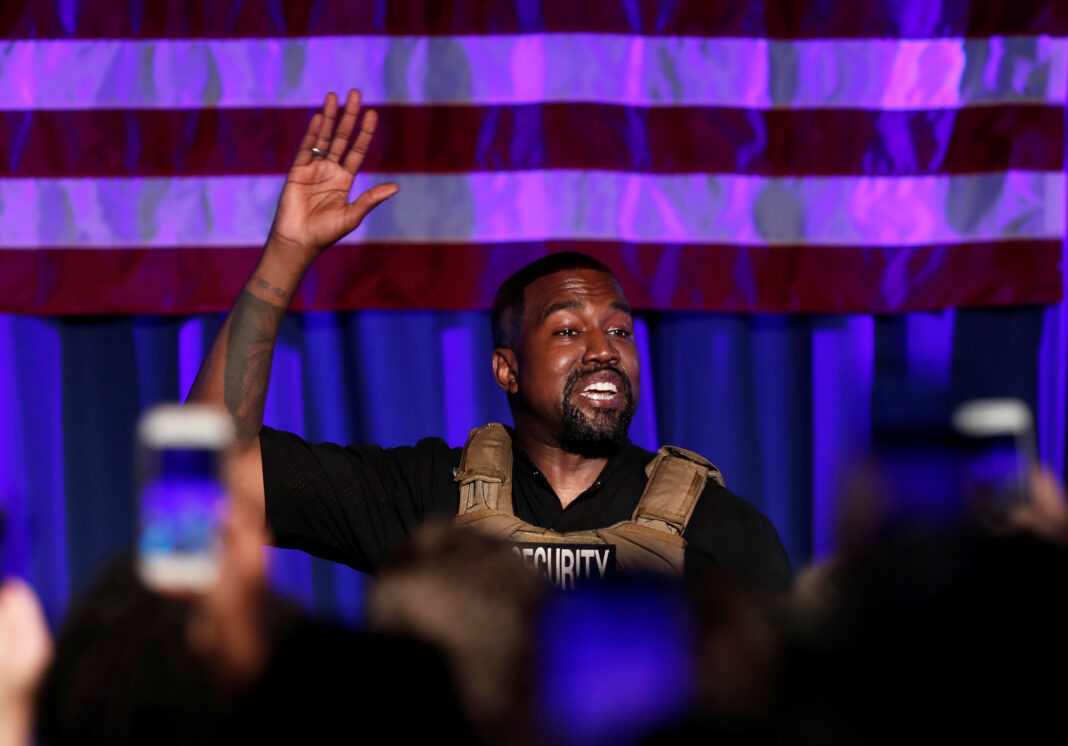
(314, 211)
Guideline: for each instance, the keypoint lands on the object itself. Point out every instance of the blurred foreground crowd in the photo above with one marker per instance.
(912, 631)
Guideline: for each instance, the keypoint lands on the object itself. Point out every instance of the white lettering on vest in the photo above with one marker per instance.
(567, 565)
(540, 553)
(602, 567)
(567, 569)
(584, 555)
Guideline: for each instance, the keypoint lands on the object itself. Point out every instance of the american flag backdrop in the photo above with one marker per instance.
(736, 155)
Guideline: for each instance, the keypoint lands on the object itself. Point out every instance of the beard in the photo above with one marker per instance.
(599, 432)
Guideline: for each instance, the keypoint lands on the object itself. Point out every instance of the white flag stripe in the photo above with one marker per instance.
(545, 205)
(509, 69)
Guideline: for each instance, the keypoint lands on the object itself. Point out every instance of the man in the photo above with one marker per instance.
(565, 355)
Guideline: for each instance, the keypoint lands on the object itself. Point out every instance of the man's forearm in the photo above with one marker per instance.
(237, 369)
(254, 326)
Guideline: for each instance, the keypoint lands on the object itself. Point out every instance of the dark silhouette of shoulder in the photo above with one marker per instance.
(727, 532)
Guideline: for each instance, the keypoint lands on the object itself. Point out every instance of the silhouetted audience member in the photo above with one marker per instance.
(134, 666)
(472, 598)
(124, 673)
(950, 631)
(739, 651)
(915, 631)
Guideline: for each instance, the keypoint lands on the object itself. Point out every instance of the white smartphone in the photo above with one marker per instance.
(999, 444)
(936, 464)
(182, 496)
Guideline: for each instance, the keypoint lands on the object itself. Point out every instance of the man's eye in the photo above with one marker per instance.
(619, 332)
(566, 332)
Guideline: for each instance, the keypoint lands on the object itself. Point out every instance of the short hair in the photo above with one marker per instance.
(123, 670)
(448, 587)
(506, 315)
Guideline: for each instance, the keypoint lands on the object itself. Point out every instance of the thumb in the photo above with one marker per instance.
(368, 201)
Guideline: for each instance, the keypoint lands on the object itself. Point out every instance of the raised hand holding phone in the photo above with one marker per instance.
(183, 496)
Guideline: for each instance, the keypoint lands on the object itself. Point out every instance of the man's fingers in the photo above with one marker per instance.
(1046, 513)
(1045, 488)
(322, 142)
(354, 159)
(321, 134)
(367, 201)
(344, 128)
(24, 638)
(304, 154)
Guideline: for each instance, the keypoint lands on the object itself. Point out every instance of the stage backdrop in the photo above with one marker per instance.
(726, 155)
(744, 158)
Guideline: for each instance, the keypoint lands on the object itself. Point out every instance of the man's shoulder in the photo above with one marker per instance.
(728, 531)
(432, 453)
(717, 496)
(716, 501)
(430, 445)
(727, 506)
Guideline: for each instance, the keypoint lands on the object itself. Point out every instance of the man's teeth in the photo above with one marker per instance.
(600, 391)
(602, 386)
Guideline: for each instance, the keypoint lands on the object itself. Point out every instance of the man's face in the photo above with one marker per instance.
(576, 362)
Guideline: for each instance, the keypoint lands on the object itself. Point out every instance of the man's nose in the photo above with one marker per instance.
(601, 348)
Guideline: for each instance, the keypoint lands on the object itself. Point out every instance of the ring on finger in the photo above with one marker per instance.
(318, 153)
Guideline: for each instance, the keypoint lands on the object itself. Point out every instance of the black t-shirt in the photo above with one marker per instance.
(355, 504)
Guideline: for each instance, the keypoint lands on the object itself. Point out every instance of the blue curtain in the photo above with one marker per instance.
(779, 403)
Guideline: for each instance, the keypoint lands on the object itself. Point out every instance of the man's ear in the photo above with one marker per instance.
(506, 369)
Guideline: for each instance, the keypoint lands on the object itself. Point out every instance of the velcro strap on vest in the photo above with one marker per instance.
(485, 471)
(493, 523)
(677, 477)
(644, 549)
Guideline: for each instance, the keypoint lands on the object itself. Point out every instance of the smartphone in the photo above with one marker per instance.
(998, 438)
(935, 463)
(182, 497)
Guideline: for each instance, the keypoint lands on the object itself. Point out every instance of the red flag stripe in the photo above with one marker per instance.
(144, 19)
(442, 276)
(447, 139)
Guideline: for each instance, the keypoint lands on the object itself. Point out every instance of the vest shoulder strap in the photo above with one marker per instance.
(677, 477)
(651, 540)
(485, 471)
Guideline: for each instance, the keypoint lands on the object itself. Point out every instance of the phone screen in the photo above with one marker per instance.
(956, 469)
(994, 474)
(181, 509)
(182, 497)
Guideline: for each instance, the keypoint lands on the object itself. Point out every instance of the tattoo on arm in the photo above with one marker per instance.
(254, 326)
(278, 292)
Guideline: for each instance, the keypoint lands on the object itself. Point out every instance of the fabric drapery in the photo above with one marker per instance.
(736, 161)
(780, 403)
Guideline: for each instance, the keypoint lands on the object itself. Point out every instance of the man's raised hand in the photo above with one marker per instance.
(314, 211)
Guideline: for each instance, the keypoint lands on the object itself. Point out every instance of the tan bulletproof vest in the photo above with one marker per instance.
(651, 541)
